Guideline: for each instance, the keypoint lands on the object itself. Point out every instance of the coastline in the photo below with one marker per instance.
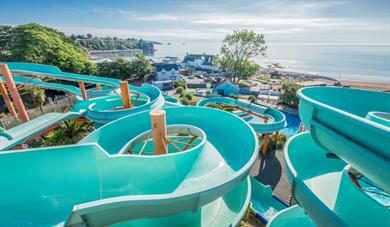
(377, 86)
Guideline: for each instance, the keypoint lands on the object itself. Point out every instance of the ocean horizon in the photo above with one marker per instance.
(358, 62)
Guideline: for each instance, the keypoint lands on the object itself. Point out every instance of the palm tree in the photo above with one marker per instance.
(70, 131)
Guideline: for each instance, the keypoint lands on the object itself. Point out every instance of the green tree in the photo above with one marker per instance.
(38, 44)
(119, 69)
(140, 67)
(237, 50)
(34, 97)
(69, 132)
(288, 94)
(135, 70)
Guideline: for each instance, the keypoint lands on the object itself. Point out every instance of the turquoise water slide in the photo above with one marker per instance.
(345, 127)
(22, 132)
(97, 183)
(339, 169)
(276, 119)
(100, 110)
(36, 82)
(263, 202)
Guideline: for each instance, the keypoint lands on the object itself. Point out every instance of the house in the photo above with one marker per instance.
(200, 62)
(226, 88)
(167, 72)
(171, 60)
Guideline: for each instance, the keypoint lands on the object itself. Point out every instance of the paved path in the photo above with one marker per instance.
(270, 170)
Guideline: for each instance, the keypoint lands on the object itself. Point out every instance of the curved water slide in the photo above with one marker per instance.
(103, 109)
(108, 179)
(340, 169)
(252, 113)
(31, 128)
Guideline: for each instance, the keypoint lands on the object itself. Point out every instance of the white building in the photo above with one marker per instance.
(201, 62)
(166, 72)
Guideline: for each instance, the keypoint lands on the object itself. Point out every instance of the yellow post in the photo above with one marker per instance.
(83, 91)
(125, 93)
(98, 87)
(9, 81)
(159, 132)
(7, 100)
(264, 145)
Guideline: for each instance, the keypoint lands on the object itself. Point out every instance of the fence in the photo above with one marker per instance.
(60, 105)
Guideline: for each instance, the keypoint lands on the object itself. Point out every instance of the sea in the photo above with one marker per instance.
(370, 63)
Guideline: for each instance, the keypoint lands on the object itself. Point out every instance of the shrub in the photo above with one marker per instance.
(185, 101)
(188, 95)
(280, 143)
(211, 105)
(179, 90)
(234, 96)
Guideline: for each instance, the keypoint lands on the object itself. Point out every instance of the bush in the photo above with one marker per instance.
(288, 94)
(185, 101)
(179, 90)
(208, 92)
(280, 143)
(180, 83)
(188, 95)
(234, 96)
(211, 105)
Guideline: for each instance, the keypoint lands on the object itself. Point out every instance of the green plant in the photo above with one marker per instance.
(288, 94)
(70, 131)
(179, 90)
(180, 83)
(252, 98)
(237, 63)
(35, 43)
(185, 101)
(211, 105)
(234, 96)
(188, 95)
(279, 144)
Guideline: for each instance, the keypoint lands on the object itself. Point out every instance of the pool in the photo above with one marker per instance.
(292, 127)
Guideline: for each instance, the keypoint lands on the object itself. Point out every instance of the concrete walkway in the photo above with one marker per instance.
(270, 170)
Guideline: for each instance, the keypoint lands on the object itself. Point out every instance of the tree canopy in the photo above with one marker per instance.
(288, 94)
(135, 70)
(237, 50)
(38, 44)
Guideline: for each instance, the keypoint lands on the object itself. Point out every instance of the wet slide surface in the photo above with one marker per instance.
(92, 182)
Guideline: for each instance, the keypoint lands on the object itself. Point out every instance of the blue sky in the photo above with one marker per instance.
(283, 21)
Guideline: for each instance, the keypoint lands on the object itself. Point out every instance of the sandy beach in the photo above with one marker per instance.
(377, 86)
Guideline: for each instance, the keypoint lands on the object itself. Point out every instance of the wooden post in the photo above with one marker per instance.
(7, 100)
(98, 87)
(9, 81)
(264, 145)
(301, 127)
(125, 93)
(159, 132)
(83, 91)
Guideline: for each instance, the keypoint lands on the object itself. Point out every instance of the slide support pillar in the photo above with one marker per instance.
(83, 91)
(159, 132)
(264, 145)
(125, 93)
(7, 100)
(9, 81)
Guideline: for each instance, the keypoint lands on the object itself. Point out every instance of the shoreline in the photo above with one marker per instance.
(370, 85)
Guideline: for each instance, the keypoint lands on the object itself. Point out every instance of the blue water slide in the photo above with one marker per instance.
(95, 183)
(276, 119)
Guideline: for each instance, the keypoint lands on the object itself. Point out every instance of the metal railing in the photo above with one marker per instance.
(58, 105)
